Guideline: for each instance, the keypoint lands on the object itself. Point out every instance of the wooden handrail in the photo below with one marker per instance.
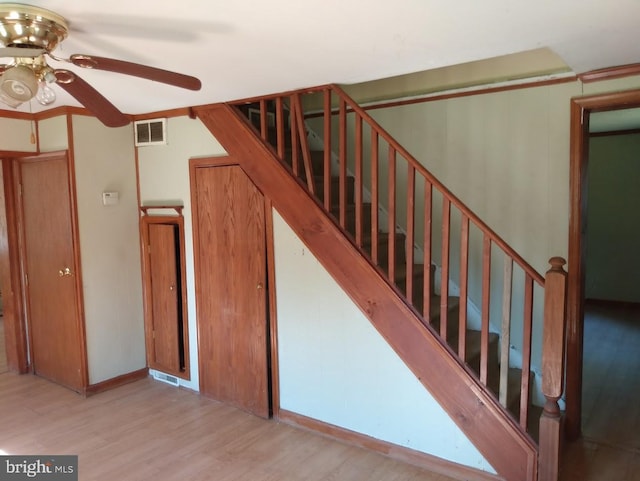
(495, 238)
(381, 132)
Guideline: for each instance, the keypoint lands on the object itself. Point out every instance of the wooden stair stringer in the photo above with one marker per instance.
(472, 407)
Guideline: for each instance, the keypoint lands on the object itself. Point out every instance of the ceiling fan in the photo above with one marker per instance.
(30, 34)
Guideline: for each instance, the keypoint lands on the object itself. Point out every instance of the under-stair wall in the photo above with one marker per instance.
(335, 369)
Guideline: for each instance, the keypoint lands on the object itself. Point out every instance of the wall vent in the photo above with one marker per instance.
(150, 132)
(160, 376)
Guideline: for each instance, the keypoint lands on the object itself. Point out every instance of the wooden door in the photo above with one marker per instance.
(166, 337)
(230, 288)
(56, 332)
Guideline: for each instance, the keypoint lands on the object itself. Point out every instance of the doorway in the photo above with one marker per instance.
(231, 286)
(166, 321)
(581, 110)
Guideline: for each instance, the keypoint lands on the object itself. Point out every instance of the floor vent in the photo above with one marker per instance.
(160, 376)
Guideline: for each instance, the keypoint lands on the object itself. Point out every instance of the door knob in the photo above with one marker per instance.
(64, 272)
(259, 286)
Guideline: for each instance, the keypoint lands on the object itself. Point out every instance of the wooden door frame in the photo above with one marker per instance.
(273, 377)
(177, 220)
(10, 277)
(581, 108)
(77, 268)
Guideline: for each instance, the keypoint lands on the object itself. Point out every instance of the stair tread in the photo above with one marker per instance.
(383, 237)
(351, 208)
(401, 270)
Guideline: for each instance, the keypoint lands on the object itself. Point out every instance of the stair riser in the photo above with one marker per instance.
(350, 220)
(335, 191)
(383, 249)
(417, 283)
(317, 161)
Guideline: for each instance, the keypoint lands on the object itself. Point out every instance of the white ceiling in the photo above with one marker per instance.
(246, 48)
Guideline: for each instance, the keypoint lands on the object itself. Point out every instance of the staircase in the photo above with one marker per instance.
(367, 238)
(354, 221)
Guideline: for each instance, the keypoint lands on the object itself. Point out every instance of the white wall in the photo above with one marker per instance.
(164, 177)
(52, 134)
(109, 248)
(335, 367)
(16, 135)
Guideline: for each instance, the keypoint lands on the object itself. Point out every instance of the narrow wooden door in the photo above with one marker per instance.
(230, 286)
(166, 335)
(56, 333)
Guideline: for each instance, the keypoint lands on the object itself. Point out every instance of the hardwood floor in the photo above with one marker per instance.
(3, 352)
(149, 430)
(610, 447)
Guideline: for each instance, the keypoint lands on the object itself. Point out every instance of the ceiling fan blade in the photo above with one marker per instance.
(137, 70)
(93, 100)
(21, 52)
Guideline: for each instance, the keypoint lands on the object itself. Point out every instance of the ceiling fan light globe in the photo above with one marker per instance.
(19, 83)
(46, 95)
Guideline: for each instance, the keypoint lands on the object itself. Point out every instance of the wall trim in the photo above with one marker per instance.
(468, 92)
(610, 73)
(58, 111)
(181, 112)
(10, 114)
(116, 381)
(394, 451)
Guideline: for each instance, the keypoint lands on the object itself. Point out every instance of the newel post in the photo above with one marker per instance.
(555, 300)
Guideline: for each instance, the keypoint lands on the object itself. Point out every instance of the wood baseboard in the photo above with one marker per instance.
(394, 451)
(116, 382)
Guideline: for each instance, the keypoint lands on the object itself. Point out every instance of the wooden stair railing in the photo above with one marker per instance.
(410, 201)
(360, 195)
(511, 452)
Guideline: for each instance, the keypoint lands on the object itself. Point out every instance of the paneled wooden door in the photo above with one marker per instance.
(167, 342)
(231, 297)
(56, 330)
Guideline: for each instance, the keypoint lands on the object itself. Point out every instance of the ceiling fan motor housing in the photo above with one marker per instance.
(29, 27)
(29, 35)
